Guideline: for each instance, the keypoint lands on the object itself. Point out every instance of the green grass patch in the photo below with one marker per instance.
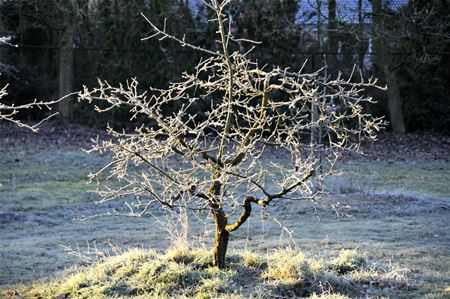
(410, 178)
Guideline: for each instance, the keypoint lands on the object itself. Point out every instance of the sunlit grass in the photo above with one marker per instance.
(184, 273)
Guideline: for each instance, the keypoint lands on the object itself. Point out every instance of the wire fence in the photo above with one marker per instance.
(84, 73)
(32, 70)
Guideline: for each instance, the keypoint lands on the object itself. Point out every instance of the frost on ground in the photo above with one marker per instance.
(394, 208)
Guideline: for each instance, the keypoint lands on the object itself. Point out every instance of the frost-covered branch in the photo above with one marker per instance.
(9, 112)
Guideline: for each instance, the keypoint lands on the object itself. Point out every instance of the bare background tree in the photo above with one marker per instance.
(64, 45)
(215, 161)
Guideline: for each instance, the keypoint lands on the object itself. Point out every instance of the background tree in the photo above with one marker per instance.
(412, 46)
(117, 32)
(9, 112)
(65, 44)
(273, 24)
(215, 161)
(106, 43)
(46, 25)
(385, 65)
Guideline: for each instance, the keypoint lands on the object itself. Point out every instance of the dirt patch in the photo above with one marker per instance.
(411, 147)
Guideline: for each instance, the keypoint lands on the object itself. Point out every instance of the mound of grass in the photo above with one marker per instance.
(347, 261)
(188, 273)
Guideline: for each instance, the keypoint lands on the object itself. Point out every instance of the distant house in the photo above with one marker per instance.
(347, 11)
(352, 33)
(353, 29)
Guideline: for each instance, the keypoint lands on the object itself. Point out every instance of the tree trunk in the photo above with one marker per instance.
(221, 238)
(394, 101)
(65, 74)
(383, 61)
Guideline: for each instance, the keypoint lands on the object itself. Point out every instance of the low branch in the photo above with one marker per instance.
(247, 207)
(245, 213)
(288, 189)
(8, 112)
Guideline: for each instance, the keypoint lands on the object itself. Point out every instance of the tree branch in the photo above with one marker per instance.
(230, 80)
(182, 42)
(245, 213)
(289, 189)
(247, 207)
(238, 159)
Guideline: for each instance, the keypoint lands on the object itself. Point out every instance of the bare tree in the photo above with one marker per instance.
(217, 160)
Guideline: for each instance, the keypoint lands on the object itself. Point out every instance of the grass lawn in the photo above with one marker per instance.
(395, 215)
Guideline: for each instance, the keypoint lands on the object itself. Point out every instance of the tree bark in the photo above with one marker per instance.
(220, 219)
(221, 239)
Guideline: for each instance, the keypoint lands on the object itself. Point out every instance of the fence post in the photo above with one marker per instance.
(65, 74)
